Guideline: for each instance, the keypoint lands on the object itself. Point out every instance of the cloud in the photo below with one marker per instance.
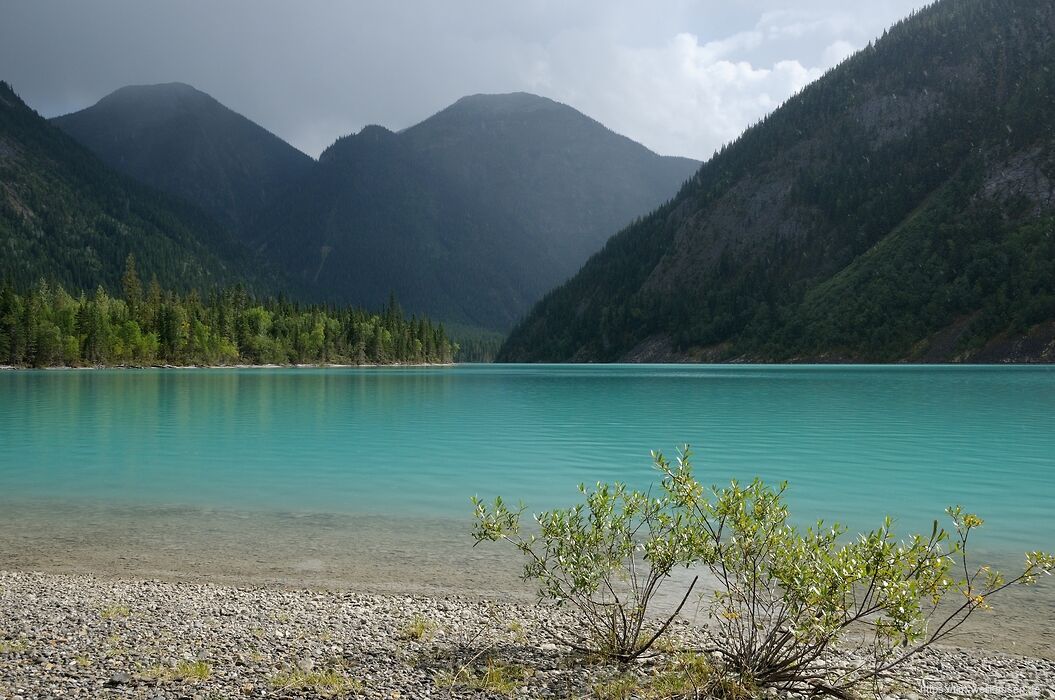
(682, 78)
(688, 92)
(686, 97)
(837, 51)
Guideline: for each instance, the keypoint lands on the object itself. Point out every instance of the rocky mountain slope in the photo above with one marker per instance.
(68, 218)
(469, 216)
(182, 141)
(902, 207)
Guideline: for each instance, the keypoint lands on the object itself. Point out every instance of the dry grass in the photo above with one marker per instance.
(328, 682)
(183, 671)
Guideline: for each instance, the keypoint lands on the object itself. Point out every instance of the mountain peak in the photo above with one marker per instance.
(95, 218)
(371, 134)
(512, 112)
(506, 102)
(498, 107)
(162, 97)
(471, 215)
(181, 140)
(171, 88)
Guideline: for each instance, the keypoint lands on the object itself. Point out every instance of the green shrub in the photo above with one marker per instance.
(786, 596)
(607, 558)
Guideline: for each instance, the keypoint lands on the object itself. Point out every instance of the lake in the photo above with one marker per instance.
(363, 477)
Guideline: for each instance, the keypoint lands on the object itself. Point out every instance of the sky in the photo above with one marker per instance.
(680, 76)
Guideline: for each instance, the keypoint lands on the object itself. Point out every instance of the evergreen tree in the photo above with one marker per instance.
(46, 326)
(132, 287)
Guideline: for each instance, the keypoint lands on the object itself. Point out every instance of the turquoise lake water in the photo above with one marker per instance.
(286, 471)
(855, 442)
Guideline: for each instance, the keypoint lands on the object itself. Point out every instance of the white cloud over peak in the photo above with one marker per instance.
(686, 97)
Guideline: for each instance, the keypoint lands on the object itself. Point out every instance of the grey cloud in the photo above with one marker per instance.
(682, 76)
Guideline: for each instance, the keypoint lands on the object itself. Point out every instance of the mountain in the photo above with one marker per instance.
(66, 217)
(469, 216)
(901, 207)
(182, 141)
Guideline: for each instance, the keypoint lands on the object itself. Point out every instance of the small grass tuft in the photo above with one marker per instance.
(623, 687)
(193, 670)
(693, 675)
(183, 671)
(13, 646)
(115, 612)
(687, 675)
(665, 645)
(420, 629)
(326, 682)
(115, 646)
(496, 677)
(516, 628)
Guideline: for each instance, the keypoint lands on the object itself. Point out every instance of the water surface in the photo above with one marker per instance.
(331, 475)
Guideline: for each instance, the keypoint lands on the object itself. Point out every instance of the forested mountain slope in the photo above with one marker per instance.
(901, 207)
(182, 141)
(469, 216)
(66, 217)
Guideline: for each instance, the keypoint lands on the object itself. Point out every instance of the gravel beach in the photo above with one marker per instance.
(79, 636)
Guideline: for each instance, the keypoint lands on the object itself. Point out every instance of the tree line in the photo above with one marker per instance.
(48, 326)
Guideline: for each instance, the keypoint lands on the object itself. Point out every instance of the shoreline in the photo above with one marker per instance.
(426, 365)
(15, 368)
(83, 636)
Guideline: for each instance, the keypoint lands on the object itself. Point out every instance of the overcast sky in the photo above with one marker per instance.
(680, 76)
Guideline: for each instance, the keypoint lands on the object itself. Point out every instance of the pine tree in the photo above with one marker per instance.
(133, 288)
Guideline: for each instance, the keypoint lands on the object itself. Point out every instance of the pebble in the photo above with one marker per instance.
(120, 678)
(80, 636)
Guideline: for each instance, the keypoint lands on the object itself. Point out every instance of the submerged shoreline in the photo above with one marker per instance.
(83, 636)
(369, 555)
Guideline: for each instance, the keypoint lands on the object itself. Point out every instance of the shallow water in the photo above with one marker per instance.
(362, 477)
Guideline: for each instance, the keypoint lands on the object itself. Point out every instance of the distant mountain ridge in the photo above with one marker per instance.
(470, 215)
(67, 218)
(182, 141)
(902, 207)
